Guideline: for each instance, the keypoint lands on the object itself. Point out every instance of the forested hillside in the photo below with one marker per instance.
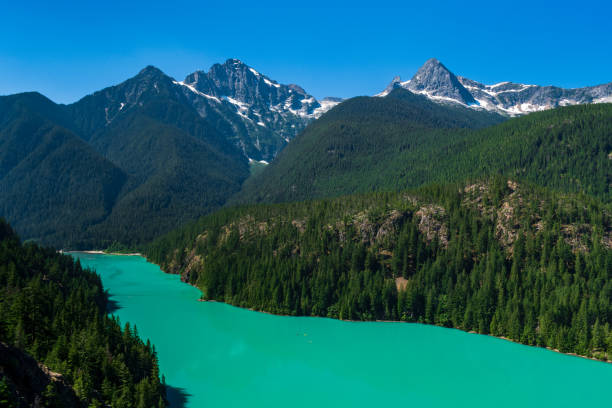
(87, 176)
(567, 149)
(53, 312)
(52, 183)
(404, 140)
(495, 257)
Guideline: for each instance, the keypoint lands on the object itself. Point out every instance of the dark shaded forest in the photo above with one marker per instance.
(78, 177)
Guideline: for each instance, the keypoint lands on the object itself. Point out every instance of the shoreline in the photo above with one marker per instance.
(608, 361)
(201, 299)
(100, 252)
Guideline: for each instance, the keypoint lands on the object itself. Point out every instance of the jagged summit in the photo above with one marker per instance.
(257, 113)
(438, 83)
(435, 80)
(270, 113)
(151, 70)
(395, 82)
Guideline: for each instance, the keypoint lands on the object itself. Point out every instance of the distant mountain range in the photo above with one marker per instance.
(134, 160)
(438, 83)
(257, 114)
(405, 140)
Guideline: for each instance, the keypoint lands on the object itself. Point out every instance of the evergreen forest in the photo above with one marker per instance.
(54, 311)
(405, 141)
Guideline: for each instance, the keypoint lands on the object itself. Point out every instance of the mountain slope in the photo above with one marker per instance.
(354, 148)
(438, 83)
(165, 164)
(180, 165)
(364, 144)
(51, 182)
(175, 177)
(266, 114)
(495, 257)
(134, 160)
(567, 149)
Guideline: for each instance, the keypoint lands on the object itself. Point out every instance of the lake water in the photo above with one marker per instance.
(217, 355)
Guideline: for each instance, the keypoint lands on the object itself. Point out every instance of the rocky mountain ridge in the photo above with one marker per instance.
(438, 83)
(257, 114)
(265, 115)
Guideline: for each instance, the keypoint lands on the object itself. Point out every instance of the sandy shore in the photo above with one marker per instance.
(99, 252)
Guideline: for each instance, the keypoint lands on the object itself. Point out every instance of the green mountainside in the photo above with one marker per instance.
(405, 140)
(81, 176)
(57, 344)
(494, 257)
(567, 149)
(52, 184)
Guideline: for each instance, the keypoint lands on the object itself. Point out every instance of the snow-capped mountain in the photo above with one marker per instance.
(254, 112)
(269, 114)
(438, 83)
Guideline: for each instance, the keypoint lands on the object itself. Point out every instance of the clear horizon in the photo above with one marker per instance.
(68, 50)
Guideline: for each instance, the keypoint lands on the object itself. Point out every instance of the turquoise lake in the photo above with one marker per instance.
(217, 355)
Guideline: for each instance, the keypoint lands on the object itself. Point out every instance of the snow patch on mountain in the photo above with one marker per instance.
(437, 83)
(192, 89)
(267, 81)
(326, 104)
(262, 113)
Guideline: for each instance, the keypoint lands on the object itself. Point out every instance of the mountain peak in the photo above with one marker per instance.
(433, 61)
(150, 70)
(234, 61)
(266, 114)
(435, 80)
(432, 67)
(231, 65)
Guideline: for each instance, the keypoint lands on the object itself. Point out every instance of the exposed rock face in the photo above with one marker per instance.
(513, 210)
(432, 223)
(237, 80)
(271, 114)
(374, 231)
(435, 79)
(438, 83)
(395, 82)
(516, 99)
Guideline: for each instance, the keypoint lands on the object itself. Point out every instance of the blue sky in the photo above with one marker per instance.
(66, 50)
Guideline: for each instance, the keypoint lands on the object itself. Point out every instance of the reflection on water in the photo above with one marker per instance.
(177, 397)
